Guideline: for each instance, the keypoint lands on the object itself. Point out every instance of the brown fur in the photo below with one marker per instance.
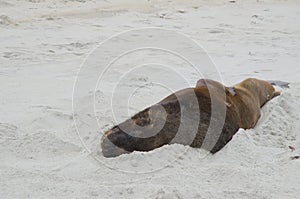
(242, 111)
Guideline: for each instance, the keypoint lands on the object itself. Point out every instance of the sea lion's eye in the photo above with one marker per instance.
(143, 121)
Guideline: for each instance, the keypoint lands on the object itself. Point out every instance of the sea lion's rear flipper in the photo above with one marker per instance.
(276, 93)
(279, 83)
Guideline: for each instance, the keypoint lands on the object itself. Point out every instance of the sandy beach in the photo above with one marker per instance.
(50, 126)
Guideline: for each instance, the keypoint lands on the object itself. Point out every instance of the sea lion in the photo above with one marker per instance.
(159, 124)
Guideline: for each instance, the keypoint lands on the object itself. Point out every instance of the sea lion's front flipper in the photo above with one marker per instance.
(279, 83)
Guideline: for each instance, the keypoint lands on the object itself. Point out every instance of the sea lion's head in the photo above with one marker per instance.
(144, 131)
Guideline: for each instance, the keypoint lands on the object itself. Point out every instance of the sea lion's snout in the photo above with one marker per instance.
(139, 133)
(114, 142)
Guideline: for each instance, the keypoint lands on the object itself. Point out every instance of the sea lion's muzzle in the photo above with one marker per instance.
(114, 142)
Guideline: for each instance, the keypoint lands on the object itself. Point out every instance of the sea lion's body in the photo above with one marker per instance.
(240, 104)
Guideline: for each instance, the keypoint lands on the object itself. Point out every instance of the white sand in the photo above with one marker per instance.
(43, 44)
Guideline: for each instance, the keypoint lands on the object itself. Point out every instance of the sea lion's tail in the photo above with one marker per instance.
(279, 83)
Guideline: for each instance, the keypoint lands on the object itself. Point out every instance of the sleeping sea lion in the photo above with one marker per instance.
(159, 124)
